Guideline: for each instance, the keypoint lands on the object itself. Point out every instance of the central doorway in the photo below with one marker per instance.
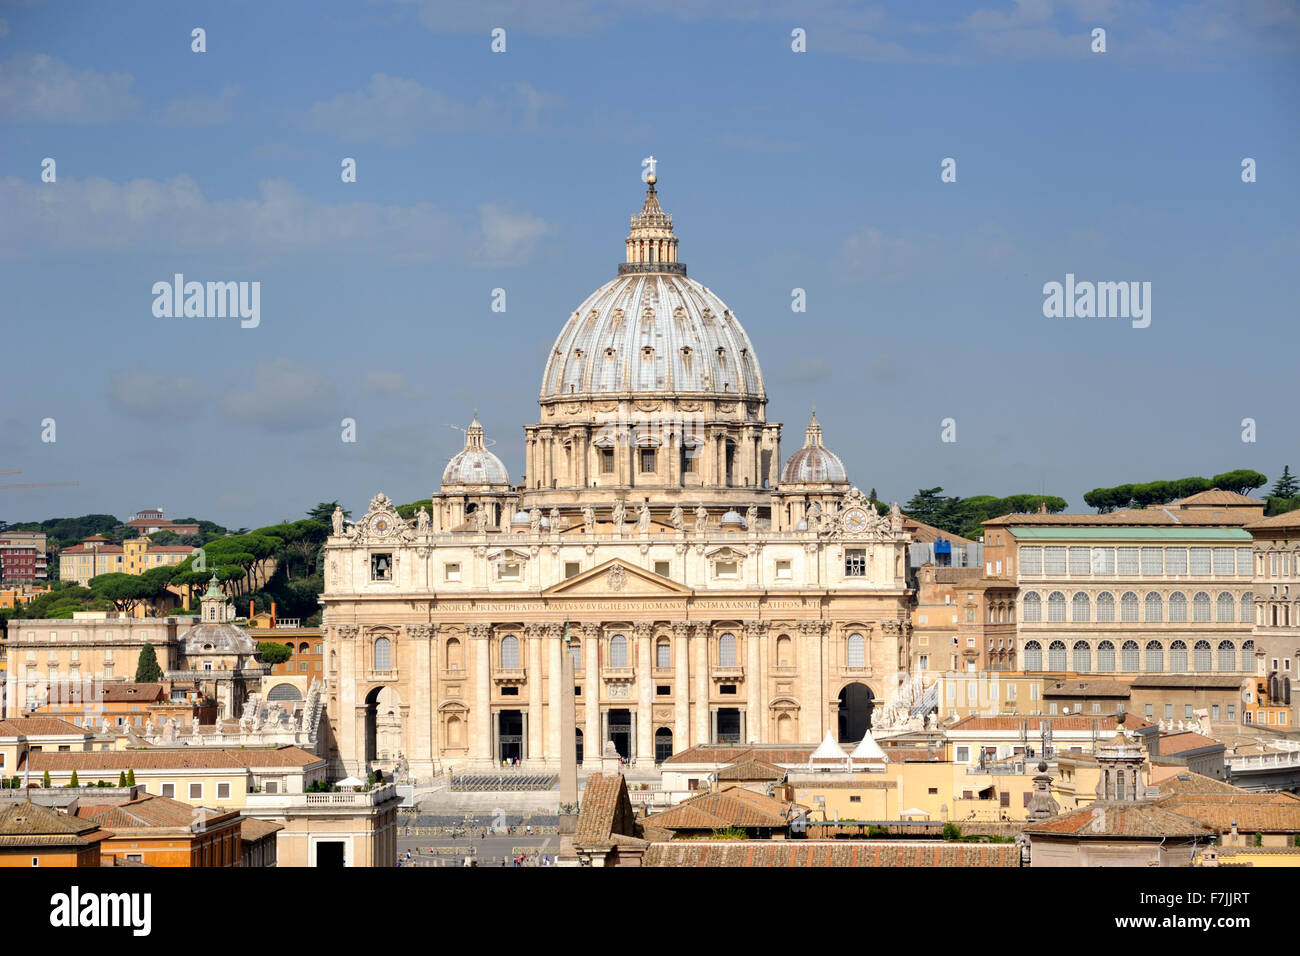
(510, 735)
(620, 731)
(854, 712)
(728, 725)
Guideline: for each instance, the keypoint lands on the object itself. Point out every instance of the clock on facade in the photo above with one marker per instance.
(855, 519)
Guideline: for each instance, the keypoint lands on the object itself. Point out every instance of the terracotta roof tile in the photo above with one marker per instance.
(1172, 744)
(174, 759)
(1286, 520)
(1034, 722)
(839, 853)
(606, 810)
(39, 727)
(1120, 820)
(252, 829)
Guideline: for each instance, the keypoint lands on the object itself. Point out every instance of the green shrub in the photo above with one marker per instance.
(951, 831)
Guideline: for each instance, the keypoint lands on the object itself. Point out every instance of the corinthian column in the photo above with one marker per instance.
(480, 748)
(533, 632)
(422, 736)
(591, 742)
(681, 686)
(702, 721)
(644, 702)
(755, 635)
(555, 651)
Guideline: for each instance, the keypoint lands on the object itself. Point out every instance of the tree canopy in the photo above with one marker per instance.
(1105, 500)
(147, 670)
(273, 653)
(966, 516)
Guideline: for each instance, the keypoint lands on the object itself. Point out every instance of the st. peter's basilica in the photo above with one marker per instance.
(706, 591)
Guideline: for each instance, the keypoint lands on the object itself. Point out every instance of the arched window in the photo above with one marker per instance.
(1227, 607)
(727, 650)
(784, 651)
(618, 651)
(857, 651)
(383, 654)
(1033, 656)
(303, 648)
(1178, 606)
(1106, 656)
(1201, 607)
(1080, 607)
(1201, 656)
(1248, 608)
(1105, 606)
(454, 660)
(663, 654)
(1128, 607)
(1033, 607)
(1056, 606)
(1056, 656)
(509, 653)
(1248, 655)
(575, 651)
(1155, 657)
(1154, 608)
(1129, 656)
(1178, 658)
(1082, 657)
(1227, 656)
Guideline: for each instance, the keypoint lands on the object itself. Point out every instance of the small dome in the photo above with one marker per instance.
(814, 463)
(474, 464)
(521, 517)
(733, 519)
(801, 526)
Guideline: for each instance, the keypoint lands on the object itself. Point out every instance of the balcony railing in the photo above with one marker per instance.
(618, 673)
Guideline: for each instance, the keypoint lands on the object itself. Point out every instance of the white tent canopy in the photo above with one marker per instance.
(350, 782)
(868, 749)
(828, 749)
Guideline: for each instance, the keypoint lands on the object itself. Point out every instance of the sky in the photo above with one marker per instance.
(477, 170)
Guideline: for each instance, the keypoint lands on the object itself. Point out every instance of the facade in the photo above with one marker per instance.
(33, 835)
(151, 520)
(1153, 591)
(1277, 612)
(94, 556)
(143, 555)
(962, 621)
(22, 557)
(329, 830)
(157, 831)
(704, 592)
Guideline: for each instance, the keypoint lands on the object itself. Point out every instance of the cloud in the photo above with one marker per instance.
(389, 384)
(397, 110)
(138, 392)
(38, 88)
(203, 110)
(871, 254)
(508, 237)
(174, 216)
(799, 371)
(284, 395)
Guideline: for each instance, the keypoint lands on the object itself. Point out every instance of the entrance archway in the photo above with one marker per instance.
(729, 731)
(856, 701)
(383, 724)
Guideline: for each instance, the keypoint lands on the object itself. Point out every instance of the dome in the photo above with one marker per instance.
(652, 330)
(521, 518)
(814, 463)
(733, 519)
(474, 464)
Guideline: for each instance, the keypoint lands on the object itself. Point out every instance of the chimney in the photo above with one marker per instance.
(272, 614)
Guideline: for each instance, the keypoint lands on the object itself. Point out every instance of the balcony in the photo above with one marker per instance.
(618, 674)
(729, 673)
(382, 676)
(509, 676)
(343, 800)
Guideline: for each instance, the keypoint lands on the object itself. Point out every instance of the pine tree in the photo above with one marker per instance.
(73, 782)
(147, 670)
(121, 779)
(45, 779)
(1288, 486)
(130, 778)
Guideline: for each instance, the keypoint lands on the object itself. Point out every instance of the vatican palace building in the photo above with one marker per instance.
(707, 589)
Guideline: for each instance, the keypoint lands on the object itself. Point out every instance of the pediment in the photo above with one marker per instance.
(616, 577)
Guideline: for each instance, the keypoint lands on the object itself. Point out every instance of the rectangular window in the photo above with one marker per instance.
(196, 791)
(663, 656)
(1187, 711)
(664, 690)
(272, 786)
(855, 563)
(725, 569)
(727, 689)
(381, 567)
(647, 456)
(1224, 562)
(1214, 712)
(1175, 560)
(662, 568)
(1169, 711)
(1149, 710)
(855, 799)
(1080, 561)
(1127, 561)
(1096, 707)
(451, 572)
(607, 461)
(1199, 562)
(223, 791)
(169, 790)
(925, 661)
(508, 571)
(783, 572)
(571, 568)
(1031, 560)
(688, 459)
(1054, 560)
(1153, 561)
(1005, 799)
(1245, 563)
